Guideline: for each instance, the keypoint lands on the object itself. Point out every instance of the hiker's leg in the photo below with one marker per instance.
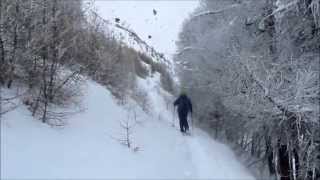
(186, 124)
(181, 123)
(181, 126)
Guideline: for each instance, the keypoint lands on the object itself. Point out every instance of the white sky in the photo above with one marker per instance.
(163, 27)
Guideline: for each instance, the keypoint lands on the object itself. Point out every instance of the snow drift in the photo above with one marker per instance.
(88, 147)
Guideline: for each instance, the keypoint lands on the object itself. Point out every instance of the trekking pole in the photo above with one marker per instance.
(173, 117)
(191, 123)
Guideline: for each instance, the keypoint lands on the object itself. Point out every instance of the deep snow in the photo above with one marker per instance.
(86, 147)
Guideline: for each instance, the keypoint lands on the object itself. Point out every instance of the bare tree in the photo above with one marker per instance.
(128, 125)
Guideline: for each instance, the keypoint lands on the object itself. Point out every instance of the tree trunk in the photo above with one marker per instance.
(13, 55)
(45, 111)
(295, 164)
(284, 166)
(44, 88)
(2, 78)
(270, 25)
(269, 154)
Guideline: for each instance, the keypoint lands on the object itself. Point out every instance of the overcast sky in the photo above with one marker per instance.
(163, 27)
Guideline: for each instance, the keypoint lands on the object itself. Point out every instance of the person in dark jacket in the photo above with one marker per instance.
(184, 107)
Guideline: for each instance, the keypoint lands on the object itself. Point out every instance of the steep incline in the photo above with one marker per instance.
(86, 146)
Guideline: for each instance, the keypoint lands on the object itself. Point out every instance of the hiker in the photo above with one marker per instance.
(184, 107)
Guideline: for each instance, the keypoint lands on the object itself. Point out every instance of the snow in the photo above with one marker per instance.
(139, 16)
(138, 21)
(85, 149)
(217, 11)
(156, 95)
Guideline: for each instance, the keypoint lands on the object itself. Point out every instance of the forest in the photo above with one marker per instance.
(252, 67)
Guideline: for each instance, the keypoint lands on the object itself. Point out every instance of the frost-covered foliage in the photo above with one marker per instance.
(37, 41)
(119, 63)
(252, 70)
(48, 46)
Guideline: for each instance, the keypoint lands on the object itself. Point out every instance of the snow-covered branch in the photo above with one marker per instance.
(315, 8)
(213, 12)
(146, 47)
(189, 48)
(278, 10)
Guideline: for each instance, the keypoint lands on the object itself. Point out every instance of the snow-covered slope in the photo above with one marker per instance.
(87, 147)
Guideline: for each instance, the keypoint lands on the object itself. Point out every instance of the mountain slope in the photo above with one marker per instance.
(87, 147)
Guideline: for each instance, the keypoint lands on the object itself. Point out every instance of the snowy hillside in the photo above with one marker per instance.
(88, 146)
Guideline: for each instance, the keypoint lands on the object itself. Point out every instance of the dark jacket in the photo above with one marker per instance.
(184, 105)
